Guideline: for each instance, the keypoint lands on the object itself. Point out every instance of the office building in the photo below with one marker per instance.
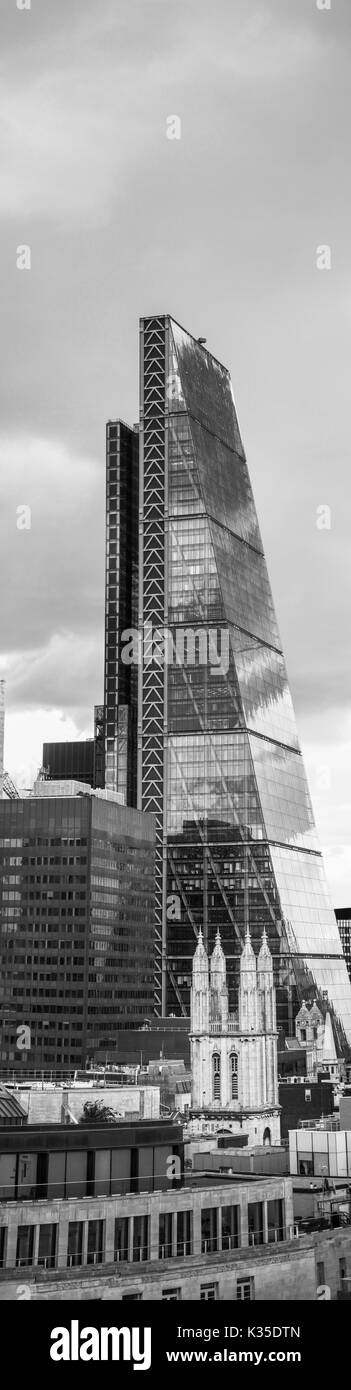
(219, 762)
(121, 608)
(343, 917)
(71, 761)
(76, 924)
(101, 1234)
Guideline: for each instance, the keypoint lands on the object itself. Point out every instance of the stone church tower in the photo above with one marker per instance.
(234, 1057)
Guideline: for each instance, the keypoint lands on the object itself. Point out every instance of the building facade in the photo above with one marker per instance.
(223, 1241)
(343, 917)
(153, 1220)
(121, 608)
(314, 1032)
(318, 1152)
(76, 925)
(219, 762)
(80, 760)
(71, 761)
(234, 1056)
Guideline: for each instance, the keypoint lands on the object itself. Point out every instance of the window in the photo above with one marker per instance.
(275, 1219)
(267, 1137)
(233, 1062)
(245, 1289)
(172, 1295)
(47, 1246)
(208, 1293)
(303, 1034)
(25, 1245)
(95, 1252)
(216, 1076)
(141, 1238)
(320, 1272)
(131, 1297)
(165, 1235)
(230, 1228)
(209, 1230)
(2, 1245)
(75, 1243)
(255, 1220)
(306, 1168)
(121, 1238)
(184, 1233)
(342, 1269)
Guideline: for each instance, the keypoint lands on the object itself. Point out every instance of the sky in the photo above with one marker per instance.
(221, 229)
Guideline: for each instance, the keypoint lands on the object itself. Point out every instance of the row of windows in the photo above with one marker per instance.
(86, 1242)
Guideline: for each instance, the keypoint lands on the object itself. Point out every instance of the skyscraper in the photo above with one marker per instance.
(219, 762)
(121, 608)
(76, 924)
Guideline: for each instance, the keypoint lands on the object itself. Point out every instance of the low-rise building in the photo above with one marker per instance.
(62, 1104)
(202, 1243)
(319, 1152)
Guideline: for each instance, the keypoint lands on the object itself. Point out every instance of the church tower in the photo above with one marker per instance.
(234, 1057)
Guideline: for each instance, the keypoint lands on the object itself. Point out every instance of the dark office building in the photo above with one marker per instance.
(121, 608)
(219, 760)
(78, 761)
(343, 917)
(76, 926)
(65, 762)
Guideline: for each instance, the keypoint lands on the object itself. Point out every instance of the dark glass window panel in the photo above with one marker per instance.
(207, 387)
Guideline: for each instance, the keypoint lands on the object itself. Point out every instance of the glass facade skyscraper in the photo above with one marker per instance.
(219, 762)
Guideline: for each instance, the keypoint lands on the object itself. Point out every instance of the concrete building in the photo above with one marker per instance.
(64, 1105)
(170, 1233)
(107, 1212)
(234, 1057)
(222, 1240)
(76, 924)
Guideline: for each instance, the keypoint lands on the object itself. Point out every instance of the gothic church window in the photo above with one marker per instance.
(216, 1073)
(233, 1062)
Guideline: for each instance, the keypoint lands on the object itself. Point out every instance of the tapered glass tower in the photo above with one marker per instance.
(219, 762)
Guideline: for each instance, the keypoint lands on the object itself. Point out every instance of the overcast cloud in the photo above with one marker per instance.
(220, 229)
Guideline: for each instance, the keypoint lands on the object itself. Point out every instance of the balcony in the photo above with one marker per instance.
(231, 1026)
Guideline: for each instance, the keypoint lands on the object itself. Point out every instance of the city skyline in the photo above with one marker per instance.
(280, 323)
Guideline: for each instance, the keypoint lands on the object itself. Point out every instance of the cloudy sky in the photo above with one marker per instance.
(219, 228)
